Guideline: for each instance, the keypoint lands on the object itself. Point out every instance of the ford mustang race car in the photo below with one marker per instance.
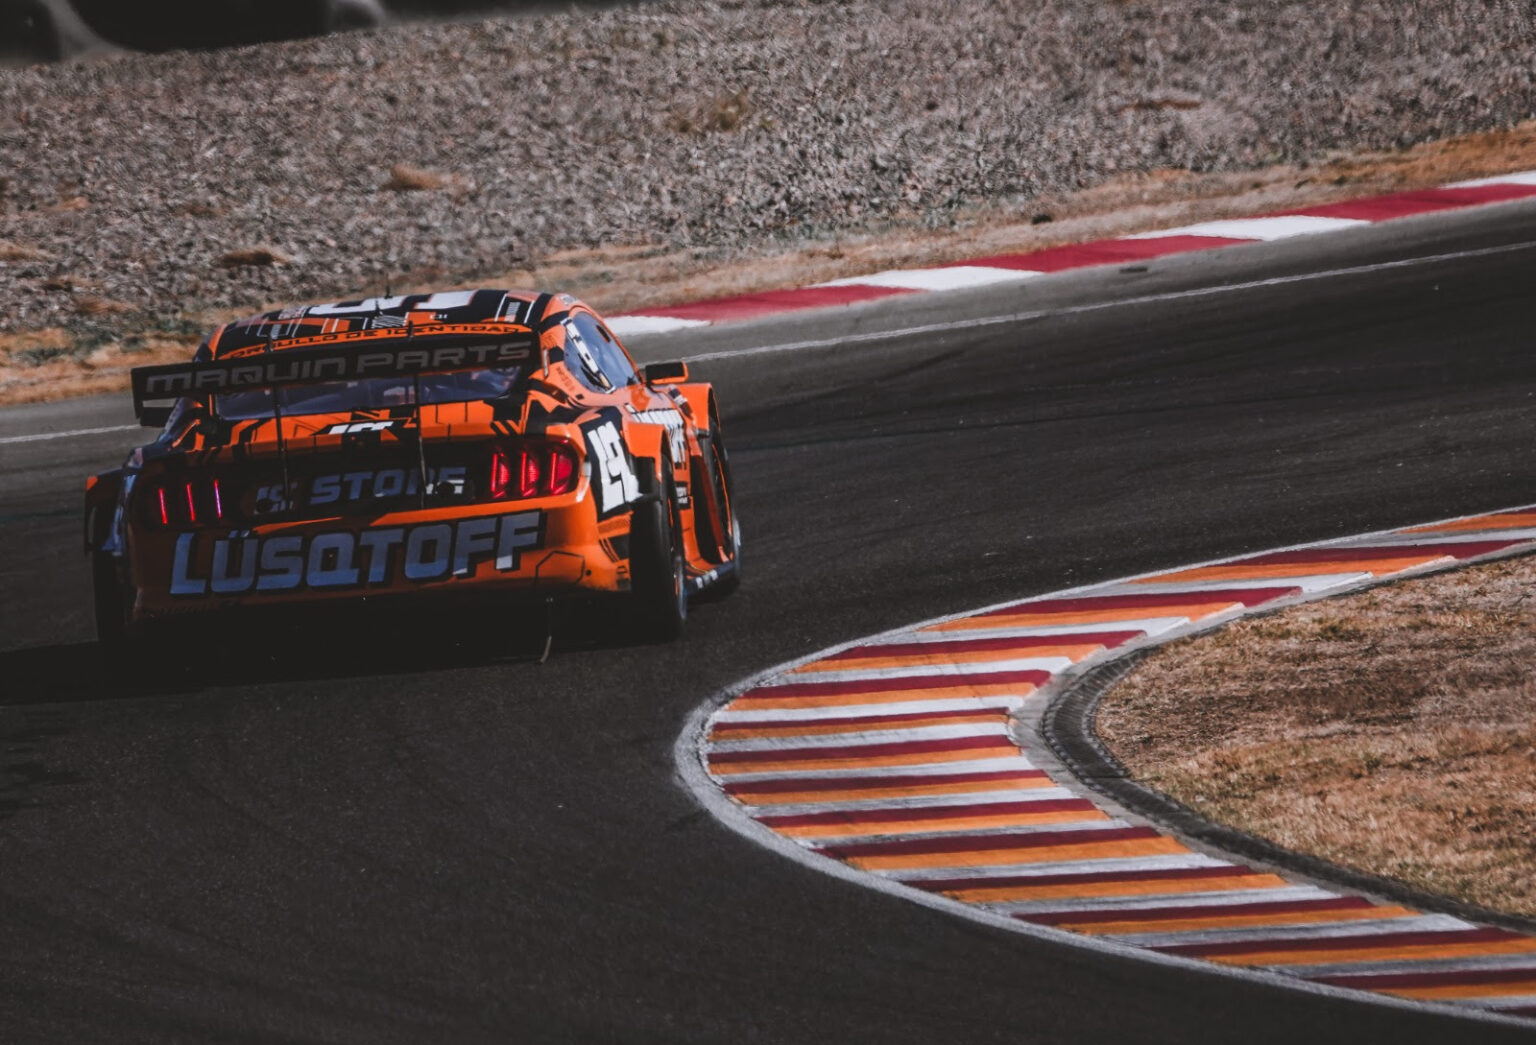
(485, 441)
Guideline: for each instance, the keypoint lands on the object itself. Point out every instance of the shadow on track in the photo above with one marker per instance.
(214, 654)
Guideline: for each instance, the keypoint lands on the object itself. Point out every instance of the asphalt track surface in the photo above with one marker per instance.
(399, 836)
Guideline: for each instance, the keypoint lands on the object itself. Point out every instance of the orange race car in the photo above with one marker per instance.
(485, 441)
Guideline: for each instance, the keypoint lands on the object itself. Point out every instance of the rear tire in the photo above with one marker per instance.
(658, 599)
(110, 605)
(127, 655)
(717, 471)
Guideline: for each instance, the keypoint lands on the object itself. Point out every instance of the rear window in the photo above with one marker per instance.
(335, 397)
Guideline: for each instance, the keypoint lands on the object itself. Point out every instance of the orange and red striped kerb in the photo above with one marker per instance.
(895, 757)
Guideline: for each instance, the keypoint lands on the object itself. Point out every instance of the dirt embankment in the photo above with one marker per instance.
(1390, 731)
(637, 155)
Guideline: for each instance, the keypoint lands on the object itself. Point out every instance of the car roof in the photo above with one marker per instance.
(304, 321)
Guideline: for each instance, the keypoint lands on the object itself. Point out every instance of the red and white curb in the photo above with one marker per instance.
(980, 272)
(899, 762)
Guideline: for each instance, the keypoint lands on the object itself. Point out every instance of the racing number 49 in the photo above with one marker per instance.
(618, 482)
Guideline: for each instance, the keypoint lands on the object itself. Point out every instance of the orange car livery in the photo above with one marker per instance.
(414, 446)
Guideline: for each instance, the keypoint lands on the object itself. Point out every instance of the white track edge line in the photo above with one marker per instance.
(65, 435)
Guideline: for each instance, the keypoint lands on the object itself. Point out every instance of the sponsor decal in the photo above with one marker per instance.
(613, 474)
(376, 484)
(447, 299)
(353, 427)
(675, 426)
(240, 564)
(340, 356)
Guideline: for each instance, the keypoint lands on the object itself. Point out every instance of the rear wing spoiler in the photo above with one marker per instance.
(353, 355)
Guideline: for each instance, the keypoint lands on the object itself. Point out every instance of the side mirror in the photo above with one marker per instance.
(666, 373)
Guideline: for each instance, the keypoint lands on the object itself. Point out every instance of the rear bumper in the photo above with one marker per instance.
(550, 547)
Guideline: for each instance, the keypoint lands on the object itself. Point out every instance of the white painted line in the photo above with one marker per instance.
(983, 834)
(41, 436)
(1417, 965)
(957, 277)
(1311, 583)
(1006, 763)
(1282, 226)
(957, 668)
(856, 836)
(1518, 178)
(983, 728)
(1117, 865)
(1502, 1001)
(916, 802)
(1224, 898)
(1146, 625)
(624, 326)
(1319, 930)
(911, 707)
(875, 337)
(1517, 536)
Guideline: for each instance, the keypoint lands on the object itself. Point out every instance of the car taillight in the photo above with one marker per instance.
(186, 502)
(501, 475)
(530, 473)
(533, 470)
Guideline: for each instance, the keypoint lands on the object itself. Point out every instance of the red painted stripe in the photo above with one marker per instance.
(985, 843)
(1343, 943)
(879, 816)
(1107, 639)
(910, 747)
(1404, 204)
(1448, 978)
(1456, 550)
(1101, 252)
(1158, 914)
(1246, 596)
(748, 306)
(940, 885)
(725, 728)
(906, 682)
(1001, 776)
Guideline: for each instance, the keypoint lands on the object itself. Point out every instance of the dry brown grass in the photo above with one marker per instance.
(69, 205)
(19, 252)
(255, 257)
(33, 364)
(405, 178)
(96, 305)
(1390, 731)
(631, 277)
(725, 113)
